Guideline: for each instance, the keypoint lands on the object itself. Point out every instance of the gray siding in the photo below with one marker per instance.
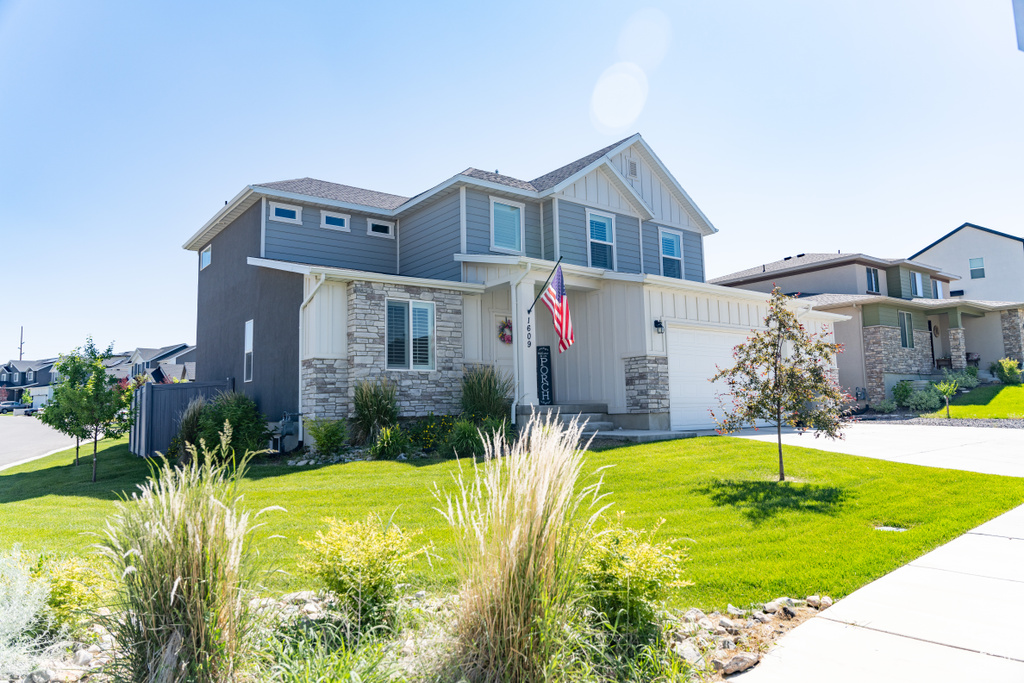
(572, 232)
(309, 243)
(532, 220)
(549, 230)
(430, 237)
(627, 244)
(478, 225)
(693, 253)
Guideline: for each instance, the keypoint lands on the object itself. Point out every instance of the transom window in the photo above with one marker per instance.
(334, 221)
(916, 284)
(873, 280)
(507, 226)
(285, 213)
(671, 253)
(977, 268)
(410, 335)
(906, 329)
(247, 359)
(380, 228)
(205, 257)
(601, 240)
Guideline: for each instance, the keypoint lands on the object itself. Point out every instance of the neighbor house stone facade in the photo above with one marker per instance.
(957, 348)
(1012, 322)
(884, 354)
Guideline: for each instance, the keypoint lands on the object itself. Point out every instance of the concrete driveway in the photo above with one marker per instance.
(24, 437)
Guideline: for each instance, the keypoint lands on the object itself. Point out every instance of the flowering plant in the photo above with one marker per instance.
(505, 331)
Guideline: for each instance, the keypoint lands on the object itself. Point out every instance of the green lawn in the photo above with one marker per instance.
(750, 539)
(991, 401)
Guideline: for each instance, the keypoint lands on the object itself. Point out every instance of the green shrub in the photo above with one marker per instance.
(362, 563)
(946, 390)
(304, 651)
(390, 443)
(375, 407)
(329, 436)
(486, 392)
(964, 378)
(491, 427)
(76, 588)
(627, 575)
(249, 431)
(464, 441)
(901, 392)
(971, 370)
(887, 406)
(1006, 371)
(925, 401)
(189, 428)
(431, 432)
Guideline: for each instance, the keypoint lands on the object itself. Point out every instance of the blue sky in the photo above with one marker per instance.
(796, 126)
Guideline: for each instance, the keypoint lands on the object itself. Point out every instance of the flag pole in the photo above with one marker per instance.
(545, 287)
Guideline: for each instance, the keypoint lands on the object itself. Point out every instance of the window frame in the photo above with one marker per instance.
(280, 219)
(206, 251)
(872, 273)
(3, 376)
(324, 215)
(981, 268)
(937, 289)
(15, 377)
(906, 328)
(522, 225)
(661, 251)
(30, 376)
(248, 359)
(615, 251)
(409, 305)
(391, 228)
(916, 284)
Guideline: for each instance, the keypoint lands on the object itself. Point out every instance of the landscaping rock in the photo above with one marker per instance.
(420, 595)
(705, 624)
(299, 597)
(760, 617)
(726, 644)
(788, 612)
(731, 627)
(41, 676)
(784, 601)
(693, 615)
(813, 601)
(688, 651)
(740, 662)
(736, 611)
(826, 602)
(771, 607)
(82, 658)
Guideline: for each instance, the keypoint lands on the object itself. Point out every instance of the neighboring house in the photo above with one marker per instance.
(119, 365)
(307, 287)
(151, 363)
(22, 378)
(990, 263)
(902, 323)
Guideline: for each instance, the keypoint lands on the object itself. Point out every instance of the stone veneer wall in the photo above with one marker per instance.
(883, 354)
(957, 348)
(324, 388)
(1013, 333)
(647, 384)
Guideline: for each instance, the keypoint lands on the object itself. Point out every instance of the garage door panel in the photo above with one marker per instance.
(694, 356)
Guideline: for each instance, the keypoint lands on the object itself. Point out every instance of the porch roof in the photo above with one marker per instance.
(974, 307)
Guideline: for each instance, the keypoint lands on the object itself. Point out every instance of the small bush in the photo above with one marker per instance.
(329, 436)
(887, 406)
(76, 588)
(362, 563)
(464, 441)
(375, 407)
(964, 378)
(25, 628)
(431, 432)
(189, 428)
(486, 392)
(901, 392)
(391, 442)
(925, 401)
(1006, 371)
(971, 370)
(249, 431)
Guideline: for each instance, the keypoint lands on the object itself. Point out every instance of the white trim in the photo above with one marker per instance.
(615, 255)
(325, 214)
(661, 252)
(287, 207)
(391, 228)
(349, 275)
(462, 219)
(263, 227)
(916, 283)
(554, 220)
(689, 204)
(910, 328)
(522, 225)
(194, 240)
(208, 249)
(247, 344)
(878, 280)
(408, 351)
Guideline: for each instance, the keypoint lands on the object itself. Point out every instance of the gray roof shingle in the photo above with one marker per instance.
(498, 178)
(341, 193)
(549, 180)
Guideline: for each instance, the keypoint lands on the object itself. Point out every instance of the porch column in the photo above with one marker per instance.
(957, 348)
(1012, 322)
(525, 335)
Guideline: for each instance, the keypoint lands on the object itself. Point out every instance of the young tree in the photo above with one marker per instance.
(60, 410)
(26, 398)
(783, 375)
(948, 389)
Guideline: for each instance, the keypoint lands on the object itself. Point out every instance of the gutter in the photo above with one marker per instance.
(515, 337)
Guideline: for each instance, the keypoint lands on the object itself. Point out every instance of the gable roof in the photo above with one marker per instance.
(816, 261)
(559, 175)
(341, 193)
(147, 354)
(967, 225)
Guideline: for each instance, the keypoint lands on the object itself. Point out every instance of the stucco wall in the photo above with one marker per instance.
(1004, 262)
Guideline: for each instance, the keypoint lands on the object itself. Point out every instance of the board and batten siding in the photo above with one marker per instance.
(309, 243)
(430, 237)
(325, 320)
(717, 312)
(478, 225)
(656, 194)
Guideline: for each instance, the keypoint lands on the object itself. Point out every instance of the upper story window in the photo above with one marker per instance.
(410, 335)
(3, 376)
(204, 257)
(380, 228)
(873, 285)
(906, 329)
(507, 226)
(936, 289)
(671, 253)
(247, 357)
(15, 377)
(285, 213)
(977, 268)
(601, 240)
(916, 284)
(334, 221)
(30, 376)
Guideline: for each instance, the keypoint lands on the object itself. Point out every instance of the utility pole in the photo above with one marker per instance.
(21, 346)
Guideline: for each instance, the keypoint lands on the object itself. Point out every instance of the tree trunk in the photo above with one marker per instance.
(778, 433)
(95, 438)
(78, 442)
(947, 407)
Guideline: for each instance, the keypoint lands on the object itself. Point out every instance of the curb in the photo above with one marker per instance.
(34, 457)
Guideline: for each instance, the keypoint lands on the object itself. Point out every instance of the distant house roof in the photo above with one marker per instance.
(817, 261)
(826, 301)
(342, 193)
(968, 225)
(30, 365)
(146, 355)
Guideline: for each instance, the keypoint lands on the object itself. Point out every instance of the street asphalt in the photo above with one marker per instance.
(24, 437)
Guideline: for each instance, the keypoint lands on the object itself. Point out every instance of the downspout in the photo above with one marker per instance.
(515, 338)
(302, 344)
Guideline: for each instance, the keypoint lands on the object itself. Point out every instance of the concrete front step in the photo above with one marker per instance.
(598, 425)
(565, 408)
(637, 435)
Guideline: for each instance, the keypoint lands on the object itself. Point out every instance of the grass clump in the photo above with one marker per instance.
(464, 441)
(431, 432)
(390, 443)
(486, 392)
(886, 406)
(189, 428)
(375, 406)
(323, 652)
(330, 437)
(249, 432)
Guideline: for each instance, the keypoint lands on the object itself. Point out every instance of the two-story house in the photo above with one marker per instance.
(176, 361)
(307, 287)
(25, 378)
(901, 321)
(991, 263)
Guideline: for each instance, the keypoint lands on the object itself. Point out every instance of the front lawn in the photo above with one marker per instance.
(1000, 401)
(750, 539)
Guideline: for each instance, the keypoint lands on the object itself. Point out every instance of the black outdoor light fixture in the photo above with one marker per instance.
(659, 326)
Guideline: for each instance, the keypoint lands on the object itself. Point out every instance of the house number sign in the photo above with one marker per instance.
(545, 388)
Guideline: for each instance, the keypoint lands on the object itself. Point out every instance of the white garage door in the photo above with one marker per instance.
(692, 357)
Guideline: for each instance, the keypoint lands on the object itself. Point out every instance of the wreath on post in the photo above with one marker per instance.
(505, 331)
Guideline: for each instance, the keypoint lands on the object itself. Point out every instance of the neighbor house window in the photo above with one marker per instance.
(601, 240)
(247, 359)
(916, 284)
(380, 228)
(671, 253)
(507, 226)
(286, 213)
(873, 281)
(977, 268)
(410, 335)
(15, 377)
(204, 257)
(906, 330)
(3, 377)
(936, 289)
(30, 376)
(334, 221)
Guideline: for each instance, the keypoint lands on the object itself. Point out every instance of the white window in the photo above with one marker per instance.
(30, 376)
(410, 335)
(977, 268)
(247, 359)
(3, 377)
(906, 329)
(285, 213)
(671, 253)
(936, 289)
(380, 228)
(334, 221)
(873, 280)
(15, 377)
(204, 257)
(916, 284)
(601, 240)
(507, 226)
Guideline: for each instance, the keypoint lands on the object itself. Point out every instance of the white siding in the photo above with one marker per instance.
(659, 197)
(595, 189)
(324, 320)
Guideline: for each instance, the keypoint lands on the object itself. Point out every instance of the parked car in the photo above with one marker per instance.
(10, 406)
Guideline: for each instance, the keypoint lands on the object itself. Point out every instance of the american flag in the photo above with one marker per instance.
(556, 301)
